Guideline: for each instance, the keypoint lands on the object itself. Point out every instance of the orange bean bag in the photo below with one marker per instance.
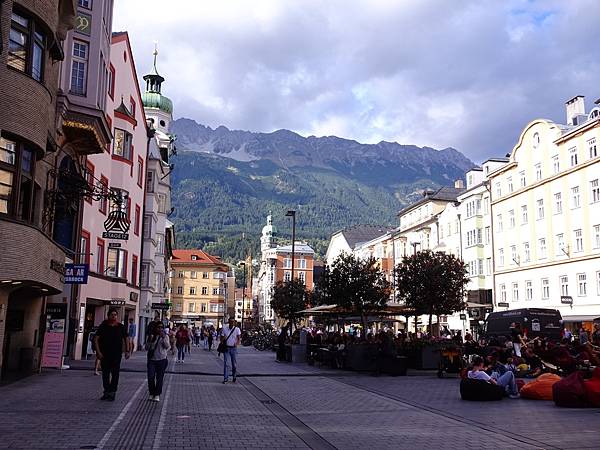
(592, 388)
(540, 388)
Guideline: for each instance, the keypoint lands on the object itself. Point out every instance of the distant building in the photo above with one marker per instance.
(198, 288)
(344, 241)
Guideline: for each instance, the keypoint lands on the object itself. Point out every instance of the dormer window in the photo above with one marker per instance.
(536, 140)
(194, 258)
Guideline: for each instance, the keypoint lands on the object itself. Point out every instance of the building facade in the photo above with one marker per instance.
(31, 262)
(198, 283)
(114, 259)
(546, 217)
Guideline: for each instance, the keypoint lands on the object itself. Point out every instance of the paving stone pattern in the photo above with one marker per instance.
(275, 406)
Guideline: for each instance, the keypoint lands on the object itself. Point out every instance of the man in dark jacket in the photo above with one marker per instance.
(110, 342)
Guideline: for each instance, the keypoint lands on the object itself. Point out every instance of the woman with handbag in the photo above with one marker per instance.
(158, 346)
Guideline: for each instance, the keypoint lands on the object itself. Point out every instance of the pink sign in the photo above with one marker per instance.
(53, 348)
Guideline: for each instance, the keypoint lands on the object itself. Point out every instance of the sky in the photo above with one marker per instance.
(463, 74)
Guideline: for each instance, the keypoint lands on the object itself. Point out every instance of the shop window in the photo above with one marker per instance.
(116, 262)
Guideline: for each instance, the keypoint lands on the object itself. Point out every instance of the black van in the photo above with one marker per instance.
(534, 322)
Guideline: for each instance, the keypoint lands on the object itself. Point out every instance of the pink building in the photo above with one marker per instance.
(115, 261)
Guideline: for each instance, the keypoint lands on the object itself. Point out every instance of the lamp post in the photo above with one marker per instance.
(243, 264)
(292, 213)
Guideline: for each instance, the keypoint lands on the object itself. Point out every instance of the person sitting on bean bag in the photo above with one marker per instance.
(507, 381)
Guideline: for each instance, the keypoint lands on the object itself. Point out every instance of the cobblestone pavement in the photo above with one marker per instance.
(275, 406)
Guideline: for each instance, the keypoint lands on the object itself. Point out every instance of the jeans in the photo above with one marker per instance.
(507, 381)
(110, 373)
(232, 353)
(156, 374)
(210, 343)
(517, 349)
(181, 352)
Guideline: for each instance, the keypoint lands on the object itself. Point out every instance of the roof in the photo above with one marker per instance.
(298, 248)
(363, 233)
(445, 194)
(184, 256)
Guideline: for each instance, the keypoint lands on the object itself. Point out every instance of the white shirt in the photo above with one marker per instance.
(232, 340)
(479, 375)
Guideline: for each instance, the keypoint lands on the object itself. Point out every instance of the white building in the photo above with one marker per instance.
(158, 233)
(345, 240)
(546, 217)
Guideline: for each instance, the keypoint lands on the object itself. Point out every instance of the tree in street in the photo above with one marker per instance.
(358, 285)
(289, 297)
(432, 283)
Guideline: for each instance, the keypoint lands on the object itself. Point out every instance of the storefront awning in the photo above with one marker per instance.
(588, 318)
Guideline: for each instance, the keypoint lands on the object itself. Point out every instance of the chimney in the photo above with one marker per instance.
(458, 184)
(575, 107)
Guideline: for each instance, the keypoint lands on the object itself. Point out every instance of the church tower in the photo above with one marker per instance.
(158, 108)
(268, 232)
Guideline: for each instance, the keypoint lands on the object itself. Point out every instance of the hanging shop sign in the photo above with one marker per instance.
(161, 306)
(503, 305)
(76, 273)
(117, 302)
(116, 226)
(566, 300)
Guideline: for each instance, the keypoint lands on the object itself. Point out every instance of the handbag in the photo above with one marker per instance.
(222, 347)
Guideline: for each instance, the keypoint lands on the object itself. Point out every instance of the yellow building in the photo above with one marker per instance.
(198, 288)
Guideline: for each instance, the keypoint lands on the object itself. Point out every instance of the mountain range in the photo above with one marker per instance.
(225, 182)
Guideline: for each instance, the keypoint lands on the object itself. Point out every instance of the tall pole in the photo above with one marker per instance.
(243, 297)
(292, 213)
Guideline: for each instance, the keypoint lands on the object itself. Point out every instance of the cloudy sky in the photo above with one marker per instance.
(412, 71)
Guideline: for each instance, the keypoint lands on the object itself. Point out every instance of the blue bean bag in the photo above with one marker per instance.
(480, 391)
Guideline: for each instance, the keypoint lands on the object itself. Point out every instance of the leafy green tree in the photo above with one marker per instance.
(355, 284)
(432, 283)
(289, 297)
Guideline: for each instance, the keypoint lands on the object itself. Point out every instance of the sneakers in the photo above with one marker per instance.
(151, 397)
(96, 372)
(156, 398)
(514, 396)
(234, 378)
(225, 381)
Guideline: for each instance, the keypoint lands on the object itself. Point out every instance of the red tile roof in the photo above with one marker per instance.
(181, 256)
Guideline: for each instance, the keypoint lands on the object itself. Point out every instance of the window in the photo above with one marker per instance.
(575, 197)
(573, 156)
(542, 248)
(301, 263)
(524, 217)
(177, 307)
(560, 245)
(193, 290)
(528, 290)
(116, 262)
(136, 221)
(147, 227)
(488, 266)
(161, 200)
(578, 238)
(596, 236)
(515, 292)
(193, 274)
(89, 177)
(500, 257)
(523, 180)
(132, 106)
(595, 190)
(302, 277)
(100, 256)
(204, 290)
(84, 247)
(18, 190)
(122, 144)
(287, 276)
(503, 292)
(545, 288)
(181, 274)
(120, 201)
(85, 3)
(215, 291)
(540, 209)
(488, 235)
(140, 172)
(499, 221)
(111, 81)
(538, 171)
(513, 255)
(598, 283)
(511, 218)
(564, 285)
(191, 307)
(145, 275)
(480, 266)
(79, 66)
(180, 290)
(486, 205)
(203, 307)
(26, 46)
(205, 275)
(150, 181)
(581, 284)
(103, 200)
(287, 263)
(134, 270)
(498, 190)
(510, 184)
(160, 244)
(592, 148)
(555, 164)
(558, 203)
(526, 252)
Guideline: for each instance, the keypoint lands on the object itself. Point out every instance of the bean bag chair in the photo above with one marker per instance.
(570, 392)
(592, 388)
(480, 391)
(540, 388)
(520, 384)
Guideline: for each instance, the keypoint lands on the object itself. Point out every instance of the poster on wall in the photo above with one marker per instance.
(56, 317)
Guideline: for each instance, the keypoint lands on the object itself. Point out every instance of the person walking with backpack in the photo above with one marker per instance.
(110, 341)
(230, 339)
(158, 347)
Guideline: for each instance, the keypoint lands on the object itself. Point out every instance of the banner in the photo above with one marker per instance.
(54, 338)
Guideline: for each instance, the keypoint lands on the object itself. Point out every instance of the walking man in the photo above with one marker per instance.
(230, 337)
(110, 342)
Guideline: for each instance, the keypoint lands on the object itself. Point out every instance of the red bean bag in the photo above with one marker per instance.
(540, 388)
(570, 392)
(592, 388)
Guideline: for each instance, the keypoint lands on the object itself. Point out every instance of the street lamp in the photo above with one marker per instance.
(243, 264)
(292, 213)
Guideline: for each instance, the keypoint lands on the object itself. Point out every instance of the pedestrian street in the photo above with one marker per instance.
(274, 405)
